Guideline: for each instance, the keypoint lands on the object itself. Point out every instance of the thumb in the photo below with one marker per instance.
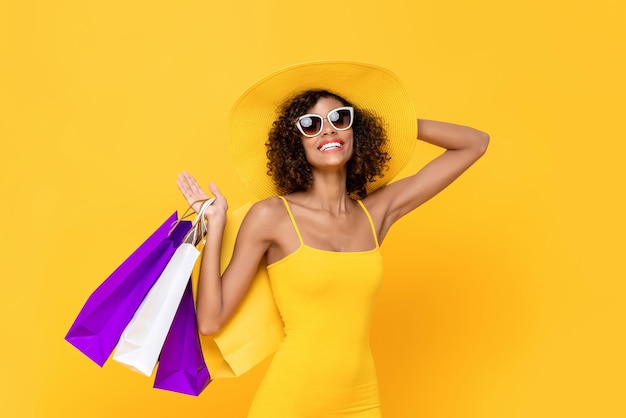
(213, 188)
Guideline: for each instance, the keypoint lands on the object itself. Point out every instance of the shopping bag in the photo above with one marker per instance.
(141, 342)
(255, 330)
(181, 363)
(111, 306)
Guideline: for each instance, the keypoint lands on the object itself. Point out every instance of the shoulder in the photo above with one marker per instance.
(264, 216)
(267, 209)
(376, 202)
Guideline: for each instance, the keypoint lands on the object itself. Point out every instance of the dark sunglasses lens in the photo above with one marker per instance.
(310, 125)
(340, 118)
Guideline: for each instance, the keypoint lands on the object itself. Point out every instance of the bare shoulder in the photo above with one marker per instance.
(264, 217)
(378, 206)
(267, 210)
(377, 203)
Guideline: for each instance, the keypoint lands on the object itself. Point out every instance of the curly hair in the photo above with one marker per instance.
(287, 163)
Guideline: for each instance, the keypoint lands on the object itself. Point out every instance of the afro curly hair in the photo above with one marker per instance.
(287, 163)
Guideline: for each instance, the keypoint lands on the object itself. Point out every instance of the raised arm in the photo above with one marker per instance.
(463, 145)
(219, 294)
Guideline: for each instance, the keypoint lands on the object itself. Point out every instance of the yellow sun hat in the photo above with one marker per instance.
(367, 86)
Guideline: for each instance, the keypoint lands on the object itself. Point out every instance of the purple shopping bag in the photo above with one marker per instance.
(181, 363)
(103, 318)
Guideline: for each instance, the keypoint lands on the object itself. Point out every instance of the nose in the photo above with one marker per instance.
(327, 127)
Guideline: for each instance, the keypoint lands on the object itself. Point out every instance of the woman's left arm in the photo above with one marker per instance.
(463, 145)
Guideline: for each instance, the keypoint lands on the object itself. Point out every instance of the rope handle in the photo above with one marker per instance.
(199, 227)
(189, 211)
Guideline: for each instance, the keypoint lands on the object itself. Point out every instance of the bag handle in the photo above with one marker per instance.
(199, 227)
(188, 212)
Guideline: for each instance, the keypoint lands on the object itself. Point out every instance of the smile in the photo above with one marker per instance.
(331, 146)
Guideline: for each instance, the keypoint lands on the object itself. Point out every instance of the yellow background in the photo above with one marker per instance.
(504, 296)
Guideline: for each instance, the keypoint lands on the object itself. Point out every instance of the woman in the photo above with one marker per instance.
(328, 159)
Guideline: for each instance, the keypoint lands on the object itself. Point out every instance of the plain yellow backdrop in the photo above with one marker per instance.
(503, 297)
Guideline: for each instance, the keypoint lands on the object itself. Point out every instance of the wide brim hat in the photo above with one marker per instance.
(367, 86)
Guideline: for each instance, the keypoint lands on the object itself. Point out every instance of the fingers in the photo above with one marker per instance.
(191, 190)
(188, 185)
(194, 195)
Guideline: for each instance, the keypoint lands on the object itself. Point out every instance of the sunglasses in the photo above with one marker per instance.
(311, 125)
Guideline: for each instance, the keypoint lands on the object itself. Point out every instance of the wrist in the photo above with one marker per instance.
(216, 222)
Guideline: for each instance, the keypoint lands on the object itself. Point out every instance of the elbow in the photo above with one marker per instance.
(481, 142)
(208, 328)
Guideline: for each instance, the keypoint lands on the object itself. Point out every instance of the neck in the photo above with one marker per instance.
(329, 192)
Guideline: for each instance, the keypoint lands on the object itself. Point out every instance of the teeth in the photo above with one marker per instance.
(330, 145)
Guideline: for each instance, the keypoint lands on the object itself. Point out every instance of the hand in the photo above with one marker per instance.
(195, 196)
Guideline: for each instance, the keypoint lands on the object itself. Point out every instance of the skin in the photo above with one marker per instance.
(327, 218)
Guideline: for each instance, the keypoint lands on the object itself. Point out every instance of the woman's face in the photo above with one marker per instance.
(331, 147)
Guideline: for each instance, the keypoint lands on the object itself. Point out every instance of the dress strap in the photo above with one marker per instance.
(293, 220)
(369, 218)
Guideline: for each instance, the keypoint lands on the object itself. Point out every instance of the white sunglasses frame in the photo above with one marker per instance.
(350, 108)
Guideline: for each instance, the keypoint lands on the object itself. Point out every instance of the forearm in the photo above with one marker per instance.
(451, 136)
(209, 303)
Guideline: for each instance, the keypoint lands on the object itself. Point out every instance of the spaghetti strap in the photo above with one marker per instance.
(293, 221)
(369, 218)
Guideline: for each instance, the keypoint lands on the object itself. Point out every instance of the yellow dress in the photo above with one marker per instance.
(323, 367)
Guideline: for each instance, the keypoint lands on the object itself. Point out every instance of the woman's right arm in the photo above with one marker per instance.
(219, 294)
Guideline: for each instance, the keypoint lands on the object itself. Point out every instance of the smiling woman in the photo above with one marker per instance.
(360, 136)
(319, 225)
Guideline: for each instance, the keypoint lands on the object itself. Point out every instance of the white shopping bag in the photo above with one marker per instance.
(141, 342)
